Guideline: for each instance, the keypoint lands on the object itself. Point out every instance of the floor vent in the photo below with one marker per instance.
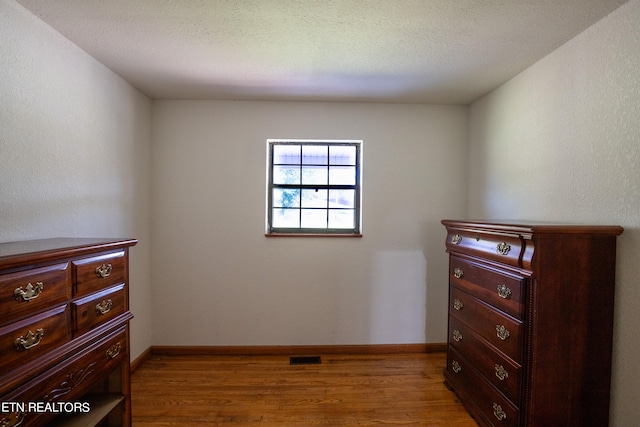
(304, 360)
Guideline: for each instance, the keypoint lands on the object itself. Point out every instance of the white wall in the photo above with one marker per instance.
(561, 141)
(74, 149)
(219, 281)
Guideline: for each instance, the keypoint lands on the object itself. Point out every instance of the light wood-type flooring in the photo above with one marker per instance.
(343, 390)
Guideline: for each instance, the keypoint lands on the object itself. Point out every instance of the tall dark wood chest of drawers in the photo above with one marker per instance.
(64, 332)
(530, 321)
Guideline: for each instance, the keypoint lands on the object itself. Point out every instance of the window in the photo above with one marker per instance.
(314, 187)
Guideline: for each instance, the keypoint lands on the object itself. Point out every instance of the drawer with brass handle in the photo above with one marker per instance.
(32, 337)
(99, 272)
(74, 377)
(24, 293)
(501, 247)
(501, 288)
(500, 330)
(97, 308)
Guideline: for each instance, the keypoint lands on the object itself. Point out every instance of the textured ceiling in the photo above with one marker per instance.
(422, 51)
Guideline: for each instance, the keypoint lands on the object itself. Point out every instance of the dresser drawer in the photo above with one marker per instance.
(500, 330)
(70, 380)
(504, 248)
(26, 292)
(24, 341)
(488, 401)
(98, 308)
(500, 371)
(500, 288)
(99, 272)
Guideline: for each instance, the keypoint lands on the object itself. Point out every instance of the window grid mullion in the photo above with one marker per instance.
(300, 192)
(316, 186)
(328, 190)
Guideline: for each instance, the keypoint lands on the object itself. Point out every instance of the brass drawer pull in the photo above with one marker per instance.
(503, 248)
(114, 351)
(103, 270)
(498, 412)
(104, 306)
(504, 291)
(455, 366)
(456, 239)
(14, 419)
(31, 292)
(457, 336)
(457, 304)
(29, 341)
(458, 273)
(502, 332)
(501, 373)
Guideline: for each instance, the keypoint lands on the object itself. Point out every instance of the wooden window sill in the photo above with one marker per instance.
(311, 235)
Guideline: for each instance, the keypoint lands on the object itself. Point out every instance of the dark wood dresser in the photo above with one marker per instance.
(64, 332)
(531, 321)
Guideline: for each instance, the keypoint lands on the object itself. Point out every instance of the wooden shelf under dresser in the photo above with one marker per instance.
(64, 332)
(531, 321)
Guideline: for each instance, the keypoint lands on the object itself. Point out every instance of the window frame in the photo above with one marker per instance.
(356, 231)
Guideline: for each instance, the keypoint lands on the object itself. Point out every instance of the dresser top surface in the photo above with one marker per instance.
(530, 227)
(15, 253)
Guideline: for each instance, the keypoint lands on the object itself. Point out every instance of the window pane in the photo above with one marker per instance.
(315, 155)
(286, 218)
(342, 199)
(341, 218)
(314, 198)
(286, 154)
(342, 175)
(314, 218)
(314, 175)
(286, 174)
(342, 155)
(286, 198)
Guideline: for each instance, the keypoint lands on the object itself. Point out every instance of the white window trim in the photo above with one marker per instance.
(355, 232)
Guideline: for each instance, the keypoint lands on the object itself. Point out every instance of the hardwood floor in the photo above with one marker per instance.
(344, 390)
